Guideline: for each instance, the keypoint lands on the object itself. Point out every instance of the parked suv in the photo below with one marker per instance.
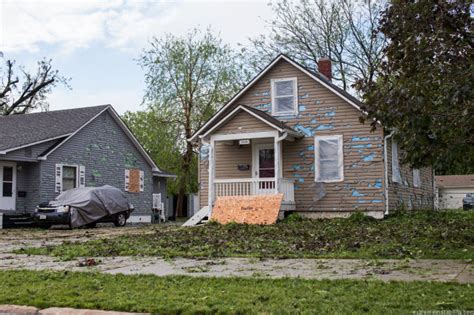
(85, 207)
(468, 201)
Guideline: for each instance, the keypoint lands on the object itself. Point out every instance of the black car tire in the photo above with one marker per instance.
(120, 219)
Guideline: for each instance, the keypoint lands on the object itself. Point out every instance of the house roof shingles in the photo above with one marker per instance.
(453, 181)
(225, 109)
(22, 130)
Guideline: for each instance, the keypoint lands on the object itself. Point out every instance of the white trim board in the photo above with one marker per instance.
(251, 135)
(232, 113)
(262, 73)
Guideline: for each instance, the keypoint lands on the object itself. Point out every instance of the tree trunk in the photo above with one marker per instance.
(187, 158)
(180, 203)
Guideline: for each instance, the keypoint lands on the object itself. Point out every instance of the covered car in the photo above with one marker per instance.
(86, 206)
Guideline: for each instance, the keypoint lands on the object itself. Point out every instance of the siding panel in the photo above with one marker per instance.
(321, 113)
(105, 151)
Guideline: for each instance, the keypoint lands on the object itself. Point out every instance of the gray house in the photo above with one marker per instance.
(43, 154)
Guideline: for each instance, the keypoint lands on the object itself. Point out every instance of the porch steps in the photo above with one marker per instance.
(16, 220)
(198, 217)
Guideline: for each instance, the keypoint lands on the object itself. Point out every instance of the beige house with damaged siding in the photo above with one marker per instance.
(292, 131)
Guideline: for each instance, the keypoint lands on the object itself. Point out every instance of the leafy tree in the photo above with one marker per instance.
(186, 78)
(425, 87)
(341, 30)
(159, 140)
(21, 95)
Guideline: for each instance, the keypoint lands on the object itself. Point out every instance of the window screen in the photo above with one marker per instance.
(329, 159)
(69, 177)
(284, 96)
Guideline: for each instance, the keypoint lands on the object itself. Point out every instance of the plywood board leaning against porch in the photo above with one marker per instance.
(260, 209)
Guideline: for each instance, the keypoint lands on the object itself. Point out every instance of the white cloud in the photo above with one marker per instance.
(127, 25)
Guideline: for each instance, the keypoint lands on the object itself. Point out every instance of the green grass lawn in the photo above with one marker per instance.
(421, 234)
(180, 294)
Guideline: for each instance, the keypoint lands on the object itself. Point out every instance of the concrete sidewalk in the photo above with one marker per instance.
(385, 270)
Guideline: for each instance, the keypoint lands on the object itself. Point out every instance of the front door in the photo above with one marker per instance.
(7, 185)
(264, 167)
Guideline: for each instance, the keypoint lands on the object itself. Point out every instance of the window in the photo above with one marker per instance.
(396, 177)
(69, 177)
(284, 96)
(329, 160)
(416, 178)
(134, 180)
(7, 181)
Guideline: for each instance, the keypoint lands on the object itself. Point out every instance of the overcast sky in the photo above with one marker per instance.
(96, 43)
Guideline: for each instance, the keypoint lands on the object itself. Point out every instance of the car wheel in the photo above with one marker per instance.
(120, 219)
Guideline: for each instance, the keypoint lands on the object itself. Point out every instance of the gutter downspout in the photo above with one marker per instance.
(385, 157)
(280, 169)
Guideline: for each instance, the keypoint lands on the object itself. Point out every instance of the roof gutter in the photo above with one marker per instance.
(283, 136)
(385, 158)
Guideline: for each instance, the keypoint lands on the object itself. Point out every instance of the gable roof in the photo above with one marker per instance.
(312, 74)
(19, 131)
(258, 114)
(455, 181)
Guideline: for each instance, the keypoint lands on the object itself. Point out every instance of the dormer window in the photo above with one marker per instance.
(284, 97)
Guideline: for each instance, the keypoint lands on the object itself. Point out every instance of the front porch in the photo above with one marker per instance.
(248, 164)
(242, 154)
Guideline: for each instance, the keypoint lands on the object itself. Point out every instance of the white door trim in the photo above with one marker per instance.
(8, 203)
(255, 161)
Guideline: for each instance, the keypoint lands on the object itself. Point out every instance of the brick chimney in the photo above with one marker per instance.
(324, 67)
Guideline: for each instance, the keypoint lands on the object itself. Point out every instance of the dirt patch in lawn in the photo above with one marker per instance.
(14, 239)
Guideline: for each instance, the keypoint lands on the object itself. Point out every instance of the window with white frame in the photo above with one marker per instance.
(396, 176)
(284, 96)
(69, 177)
(416, 178)
(329, 158)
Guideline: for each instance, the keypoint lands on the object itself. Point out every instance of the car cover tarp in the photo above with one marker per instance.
(93, 203)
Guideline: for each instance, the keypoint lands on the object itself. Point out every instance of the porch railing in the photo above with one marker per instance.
(254, 186)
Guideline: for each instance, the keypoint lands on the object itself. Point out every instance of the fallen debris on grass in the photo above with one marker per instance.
(419, 234)
(87, 262)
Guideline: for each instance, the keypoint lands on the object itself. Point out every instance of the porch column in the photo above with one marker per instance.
(212, 168)
(277, 150)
